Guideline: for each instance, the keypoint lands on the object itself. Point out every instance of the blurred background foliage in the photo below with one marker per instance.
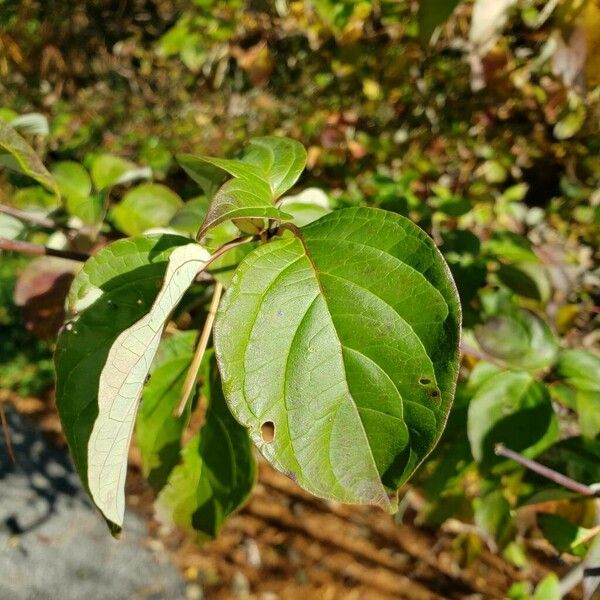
(478, 120)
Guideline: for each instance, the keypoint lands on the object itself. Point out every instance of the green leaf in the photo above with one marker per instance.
(108, 170)
(90, 209)
(529, 280)
(433, 13)
(17, 154)
(581, 372)
(72, 179)
(580, 368)
(344, 339)
(217, 470)
(157, 431)
(520, 339)
(511, 246)
(548, 588)
(103, 355)
(10, 228)
(492, 515)
(281, 160)
(144, 207)
(514, 409)
(562, 534)
(188, 219)
(307, 206)
(209, 177)
(35, 199)
(269, 167)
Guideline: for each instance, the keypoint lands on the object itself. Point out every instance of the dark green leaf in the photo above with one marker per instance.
(158, 432)
(217, 470)
(562, 534)
(433, 13)
(514, 409)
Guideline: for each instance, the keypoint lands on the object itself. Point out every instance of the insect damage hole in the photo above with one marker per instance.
(267, 431)
(424, 381)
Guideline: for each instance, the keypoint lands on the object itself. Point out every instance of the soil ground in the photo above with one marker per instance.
(286, 544)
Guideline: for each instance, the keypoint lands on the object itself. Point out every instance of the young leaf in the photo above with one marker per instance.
(103, 355)
(338, 350)
(17, 154)
(280, 159)
(270, 167)
(513, 409)
(157, 431)
(217, 471)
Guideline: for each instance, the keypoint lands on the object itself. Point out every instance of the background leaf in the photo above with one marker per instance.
(514, 409)
(144, 207)
(433, 13)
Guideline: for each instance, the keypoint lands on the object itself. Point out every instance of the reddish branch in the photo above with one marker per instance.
(37, 250)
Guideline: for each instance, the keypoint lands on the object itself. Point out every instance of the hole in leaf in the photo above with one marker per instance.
(267, 431)
(424, 381)
(435, 393)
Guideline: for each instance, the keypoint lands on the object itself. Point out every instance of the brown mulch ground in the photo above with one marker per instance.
(287, 544)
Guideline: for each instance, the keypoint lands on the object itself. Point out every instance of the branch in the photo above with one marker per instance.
(37, 250)
(547, 472)
(192, 374)
(28, 217)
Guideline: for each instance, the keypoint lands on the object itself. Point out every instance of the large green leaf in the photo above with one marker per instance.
(104, 353)
(157, 430)
(269, 167)
(217, 470)
(17, 154)
(144, 207)
(514, 409)
(344, 340)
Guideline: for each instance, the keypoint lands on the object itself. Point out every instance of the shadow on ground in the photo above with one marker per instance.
(53, 543)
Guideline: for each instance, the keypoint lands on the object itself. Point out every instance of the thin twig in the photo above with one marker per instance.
(192, 374)
(6, 431)
(37, 250)
(28, 217)
(547, 472)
